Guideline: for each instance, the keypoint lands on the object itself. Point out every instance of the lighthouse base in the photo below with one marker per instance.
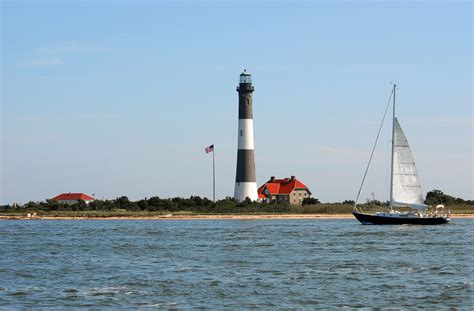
(244, 190)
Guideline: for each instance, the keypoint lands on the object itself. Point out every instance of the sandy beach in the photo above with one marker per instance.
(209, 217)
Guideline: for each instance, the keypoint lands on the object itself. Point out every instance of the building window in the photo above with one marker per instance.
(299, 194)
(248, 101)
(241, 132)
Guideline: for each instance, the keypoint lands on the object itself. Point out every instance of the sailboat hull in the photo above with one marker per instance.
(399, 220)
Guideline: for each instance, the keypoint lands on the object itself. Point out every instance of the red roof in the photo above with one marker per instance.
(282, 186)
(273, 187)
(73, 197)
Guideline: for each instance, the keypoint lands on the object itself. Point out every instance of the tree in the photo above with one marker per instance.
(435, 197)
(143, 204)
(123, 203)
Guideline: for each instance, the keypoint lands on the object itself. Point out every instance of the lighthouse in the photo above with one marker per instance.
(245, 180)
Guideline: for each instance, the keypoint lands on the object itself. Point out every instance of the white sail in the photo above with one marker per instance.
(406, 189)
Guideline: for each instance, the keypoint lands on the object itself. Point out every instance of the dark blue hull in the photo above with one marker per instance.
(384, 220)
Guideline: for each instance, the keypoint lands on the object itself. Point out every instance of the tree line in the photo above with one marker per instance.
(153, 204)
(435, 197)
(204, 205)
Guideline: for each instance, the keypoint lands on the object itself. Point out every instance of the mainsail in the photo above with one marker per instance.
(406, 189)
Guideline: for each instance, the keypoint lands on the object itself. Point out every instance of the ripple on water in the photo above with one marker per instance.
(18, 293)
(272, 264)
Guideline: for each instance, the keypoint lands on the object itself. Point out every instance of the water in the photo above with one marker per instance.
(234, 264)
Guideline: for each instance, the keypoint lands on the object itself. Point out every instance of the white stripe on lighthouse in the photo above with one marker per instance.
(244, 190)
(246, 134)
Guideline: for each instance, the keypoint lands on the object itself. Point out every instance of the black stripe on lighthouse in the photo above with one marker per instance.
(245, 166)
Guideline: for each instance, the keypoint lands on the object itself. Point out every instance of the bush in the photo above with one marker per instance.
(310, 201)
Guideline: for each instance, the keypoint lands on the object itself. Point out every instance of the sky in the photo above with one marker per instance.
(116, 98)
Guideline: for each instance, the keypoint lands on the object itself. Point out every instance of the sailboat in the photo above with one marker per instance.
(405, 188)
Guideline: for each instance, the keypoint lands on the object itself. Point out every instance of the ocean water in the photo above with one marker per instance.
(235, 264)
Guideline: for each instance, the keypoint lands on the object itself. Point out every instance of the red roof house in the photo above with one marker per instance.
(286, 190)
(72, 198)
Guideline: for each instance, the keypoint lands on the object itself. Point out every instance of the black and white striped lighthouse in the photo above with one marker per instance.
(245, 180)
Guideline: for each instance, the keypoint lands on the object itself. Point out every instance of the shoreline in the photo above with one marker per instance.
(201, 217)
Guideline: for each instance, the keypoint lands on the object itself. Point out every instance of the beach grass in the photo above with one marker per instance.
(319, 209)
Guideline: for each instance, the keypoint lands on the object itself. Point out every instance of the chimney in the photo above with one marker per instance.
(272, 178)
(293, 177)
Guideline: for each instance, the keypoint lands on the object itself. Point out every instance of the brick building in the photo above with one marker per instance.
(286, 190)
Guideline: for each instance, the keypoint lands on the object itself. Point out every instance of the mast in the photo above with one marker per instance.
(393, 144)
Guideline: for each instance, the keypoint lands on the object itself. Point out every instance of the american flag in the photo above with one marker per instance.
(210, 148)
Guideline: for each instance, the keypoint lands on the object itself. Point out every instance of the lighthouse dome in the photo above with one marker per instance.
(245, 77)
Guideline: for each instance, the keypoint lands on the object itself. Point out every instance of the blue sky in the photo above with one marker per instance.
(120, 97)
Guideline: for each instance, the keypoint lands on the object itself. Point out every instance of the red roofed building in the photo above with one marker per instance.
(286, 190)
(73, 198)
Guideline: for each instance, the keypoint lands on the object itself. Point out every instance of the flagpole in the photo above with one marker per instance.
(213, 174)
